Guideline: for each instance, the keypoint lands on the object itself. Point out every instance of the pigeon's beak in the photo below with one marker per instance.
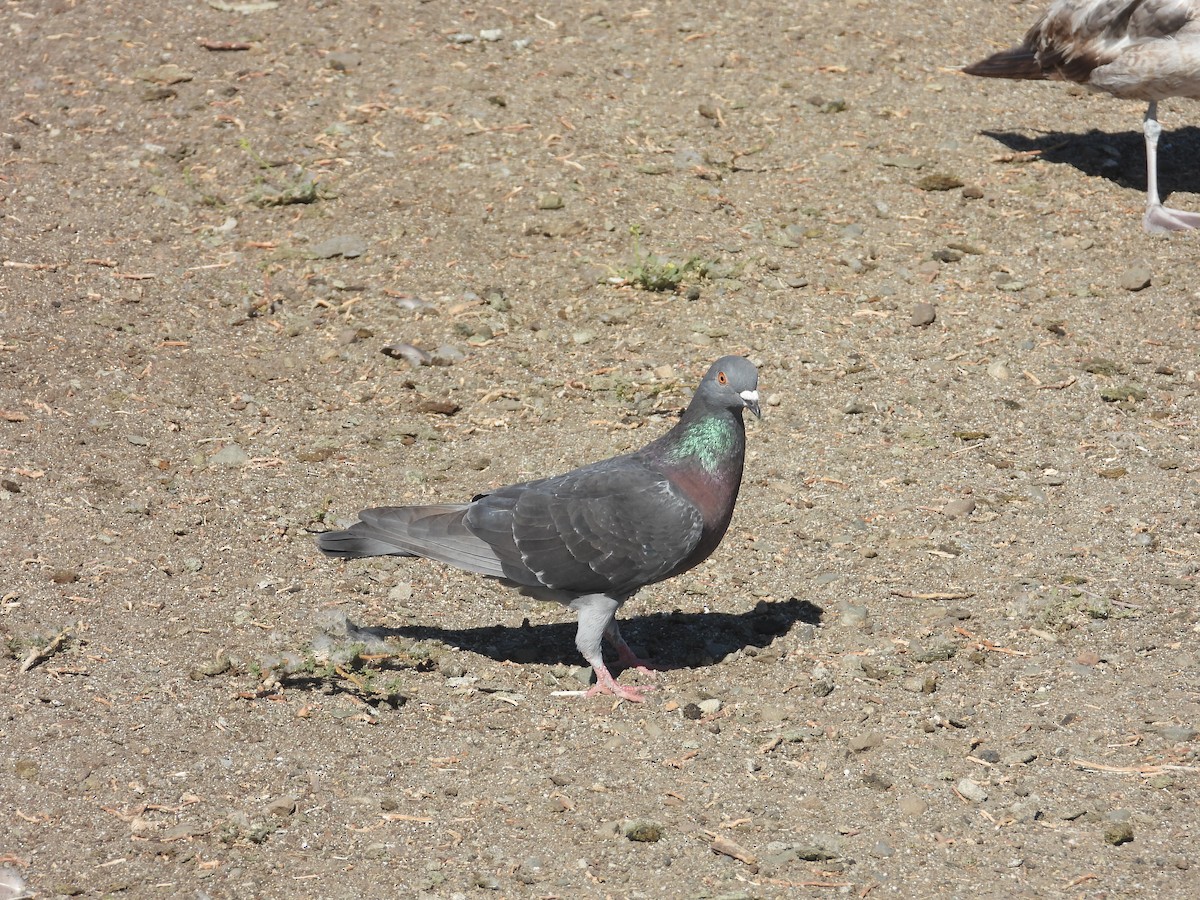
(750, 401)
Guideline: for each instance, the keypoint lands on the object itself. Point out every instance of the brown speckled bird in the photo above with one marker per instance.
(1133, 49)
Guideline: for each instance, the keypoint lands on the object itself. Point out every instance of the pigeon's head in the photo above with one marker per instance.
(732, 381)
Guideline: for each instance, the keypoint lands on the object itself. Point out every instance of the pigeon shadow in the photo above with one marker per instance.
(1120, 157)
(673, 640)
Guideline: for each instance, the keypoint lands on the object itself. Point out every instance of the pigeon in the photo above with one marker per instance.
(592, 537)
(1133, 49)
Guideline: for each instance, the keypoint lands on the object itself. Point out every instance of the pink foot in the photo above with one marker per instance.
(606, 684)
(1160, 219)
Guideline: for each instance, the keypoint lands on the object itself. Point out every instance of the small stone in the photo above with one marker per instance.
(165, 74)
(347, 246)
(411, 354)
(863, 742)
(935, 652)
(343, 62)
(281, 807)
(230, 456)
(486, 880)
(491, 35)
(1178, 733)
(1099, 365)
(971, 790)
(710, 706)
(1123, 393)
(442, 407)
(1118, 833)
(461, 37)
(955, 509)
(218, 665)
(853, 615)
(920, 684)
(972, 192)
(999, 370)
(904, 161)
(877, 781)
(1018, 758)
(644, 831)
(1135, 279)
(939, 182)
(447, 355)
(923, 314)
(550, 201)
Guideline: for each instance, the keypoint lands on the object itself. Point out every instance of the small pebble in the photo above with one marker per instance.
(853, 615)
(411, 354)
(1135, 279)
(644, 832)
(971, 790)
(1118, 833)
(958, 508)
(229, 456)
(923, 314)
(863, 742)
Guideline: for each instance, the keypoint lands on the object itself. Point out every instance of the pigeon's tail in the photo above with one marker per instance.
(1016, 62)
(434, 532)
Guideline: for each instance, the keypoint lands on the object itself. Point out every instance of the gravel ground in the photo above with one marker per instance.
(948, 647)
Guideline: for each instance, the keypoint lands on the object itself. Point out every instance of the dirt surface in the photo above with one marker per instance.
(948, 647)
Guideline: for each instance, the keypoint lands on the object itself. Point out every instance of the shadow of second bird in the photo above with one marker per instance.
(1119, 157)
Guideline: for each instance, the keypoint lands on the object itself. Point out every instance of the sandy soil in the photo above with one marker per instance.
(948, 647)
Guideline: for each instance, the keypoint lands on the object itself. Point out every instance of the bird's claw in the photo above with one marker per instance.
(606, 684)
(1163, 220)
(620, 691)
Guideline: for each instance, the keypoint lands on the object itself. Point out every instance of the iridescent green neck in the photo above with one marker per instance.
(708, 441)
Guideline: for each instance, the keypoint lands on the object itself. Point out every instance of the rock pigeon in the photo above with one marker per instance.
(591, 538)
(1133, 49)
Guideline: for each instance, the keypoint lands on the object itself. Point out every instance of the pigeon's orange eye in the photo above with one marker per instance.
(721, 379)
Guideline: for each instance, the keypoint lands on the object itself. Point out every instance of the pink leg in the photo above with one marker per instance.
(597, 619)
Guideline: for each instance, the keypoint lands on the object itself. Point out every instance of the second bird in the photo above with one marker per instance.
(1134, 49)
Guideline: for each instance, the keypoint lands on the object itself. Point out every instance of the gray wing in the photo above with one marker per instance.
(608, 528)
